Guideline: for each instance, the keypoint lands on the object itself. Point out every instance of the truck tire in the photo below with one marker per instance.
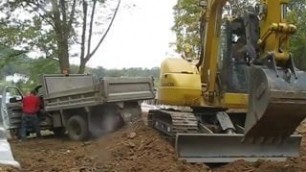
(77, 128)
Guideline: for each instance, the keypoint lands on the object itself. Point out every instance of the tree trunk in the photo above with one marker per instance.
(83, 39)
(63, 54)
(62, 34)
(85, 58)
(82, 66)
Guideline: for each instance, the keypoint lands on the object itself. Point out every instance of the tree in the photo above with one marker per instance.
(297, 16)
(8, 55)
(52, 27)
(187, 25)
(186, 16)
(85, 58)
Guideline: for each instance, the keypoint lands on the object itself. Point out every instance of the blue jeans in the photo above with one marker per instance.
(29, 120)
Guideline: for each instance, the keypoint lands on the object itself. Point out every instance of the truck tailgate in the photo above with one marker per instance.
(125, 89)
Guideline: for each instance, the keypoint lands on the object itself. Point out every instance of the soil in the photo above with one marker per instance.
(8, 169)
(133, 148)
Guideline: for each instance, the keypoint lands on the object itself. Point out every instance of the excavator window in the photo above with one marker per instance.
(234, 67)
(284, 11)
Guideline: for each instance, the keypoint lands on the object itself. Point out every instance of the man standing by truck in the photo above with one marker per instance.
(30, 108)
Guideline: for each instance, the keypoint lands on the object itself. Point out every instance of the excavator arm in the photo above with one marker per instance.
(211, 20)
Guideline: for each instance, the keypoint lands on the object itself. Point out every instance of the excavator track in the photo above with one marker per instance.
(173, 122)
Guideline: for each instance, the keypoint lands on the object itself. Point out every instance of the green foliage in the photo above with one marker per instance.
(187, 14)
(8, 55)
(42, 66)
(32, 69)
(23, 25)
(125, 72)
(187, 27)
(297, 16)
(51, 27)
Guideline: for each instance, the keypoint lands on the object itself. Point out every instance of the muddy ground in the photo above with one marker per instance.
(133, 148)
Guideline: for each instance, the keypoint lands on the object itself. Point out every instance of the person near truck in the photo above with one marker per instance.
(30, 109)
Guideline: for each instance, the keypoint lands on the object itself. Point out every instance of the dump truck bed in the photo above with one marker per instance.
(73, 91)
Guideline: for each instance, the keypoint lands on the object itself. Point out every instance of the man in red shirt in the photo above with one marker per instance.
(30, 108)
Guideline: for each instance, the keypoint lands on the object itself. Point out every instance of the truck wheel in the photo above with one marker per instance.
(59, 132)
(77, 128)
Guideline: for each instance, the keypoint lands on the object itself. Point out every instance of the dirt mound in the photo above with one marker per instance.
(133, 148)
(140, 148)
(260, 166)
(4, 168)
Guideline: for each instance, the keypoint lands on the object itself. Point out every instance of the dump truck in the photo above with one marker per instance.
(243, 98)
(80, 105)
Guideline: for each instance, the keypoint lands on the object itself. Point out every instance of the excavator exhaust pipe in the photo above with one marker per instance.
(224, 148)
(277, 104)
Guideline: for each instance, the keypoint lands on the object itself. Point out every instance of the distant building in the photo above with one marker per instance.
(16, 77)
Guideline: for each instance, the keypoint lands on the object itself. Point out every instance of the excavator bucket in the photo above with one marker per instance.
(277, 104)
(224, 148)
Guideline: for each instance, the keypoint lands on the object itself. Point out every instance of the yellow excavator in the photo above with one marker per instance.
(243, 98)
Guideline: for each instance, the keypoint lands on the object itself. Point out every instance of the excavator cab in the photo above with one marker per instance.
(233, 59)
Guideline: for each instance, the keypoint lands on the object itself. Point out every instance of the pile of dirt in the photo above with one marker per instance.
(136, 147)
(139, 148)
(4, 168)
(133, 148)
(260, 166)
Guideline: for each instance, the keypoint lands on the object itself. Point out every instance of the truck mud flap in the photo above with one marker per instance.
(224, 148)
(6, 156)
(277, 103)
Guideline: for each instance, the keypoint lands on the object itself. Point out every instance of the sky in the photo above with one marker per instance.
(140, 36)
